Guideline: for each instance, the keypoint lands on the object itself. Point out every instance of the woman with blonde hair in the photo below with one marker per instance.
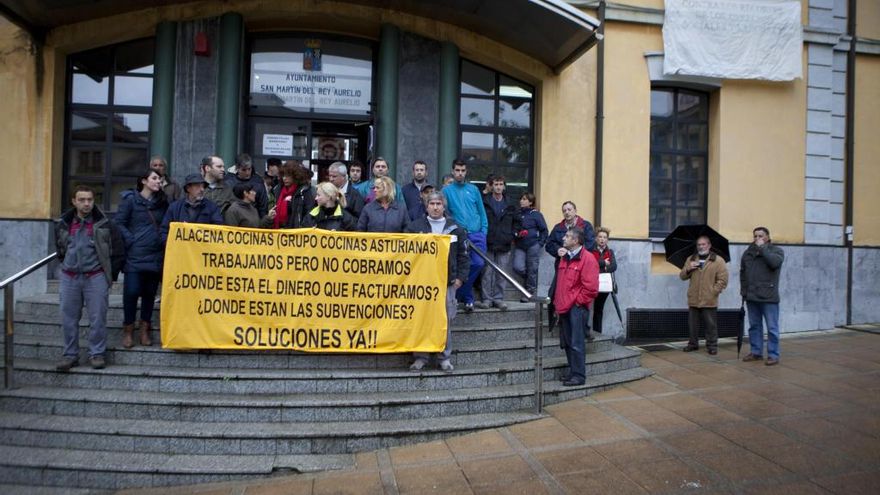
(330, 212)
(383, 214)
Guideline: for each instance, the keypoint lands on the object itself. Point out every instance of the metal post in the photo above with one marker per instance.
(539, 358)
(9, 343)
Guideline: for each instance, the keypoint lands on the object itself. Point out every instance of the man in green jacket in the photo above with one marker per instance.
(759, 286)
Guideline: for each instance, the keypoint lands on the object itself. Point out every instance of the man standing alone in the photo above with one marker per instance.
(83, 237)
(466, 206)
(759, 286)
(577, 283)
(708, 279)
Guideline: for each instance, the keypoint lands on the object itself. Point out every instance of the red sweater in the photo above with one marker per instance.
(577, 281)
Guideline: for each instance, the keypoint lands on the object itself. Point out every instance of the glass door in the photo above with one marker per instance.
(287, 139)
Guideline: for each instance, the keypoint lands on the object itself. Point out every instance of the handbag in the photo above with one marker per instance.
(606, 283)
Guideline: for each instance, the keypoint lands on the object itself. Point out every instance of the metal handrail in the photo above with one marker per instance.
(539, 325)
(8, 287)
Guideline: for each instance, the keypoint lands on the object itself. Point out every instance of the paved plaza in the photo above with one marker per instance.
(701, 424)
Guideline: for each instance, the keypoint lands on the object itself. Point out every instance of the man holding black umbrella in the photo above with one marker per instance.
(759, 285)
(708, 279)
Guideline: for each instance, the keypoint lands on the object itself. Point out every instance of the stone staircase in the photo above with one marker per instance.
(157, 417)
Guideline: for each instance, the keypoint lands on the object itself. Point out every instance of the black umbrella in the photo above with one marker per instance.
(617, 306)
(682, 243)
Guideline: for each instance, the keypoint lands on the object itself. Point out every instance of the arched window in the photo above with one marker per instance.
(679, 159)
(109, 100)
(497, 127)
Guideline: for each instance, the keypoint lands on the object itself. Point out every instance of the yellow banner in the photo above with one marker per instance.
(304, 289)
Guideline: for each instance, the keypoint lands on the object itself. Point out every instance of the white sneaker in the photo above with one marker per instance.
(446, 366)
(417, 365)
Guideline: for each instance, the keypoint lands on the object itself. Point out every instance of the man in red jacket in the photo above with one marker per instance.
(577, 283)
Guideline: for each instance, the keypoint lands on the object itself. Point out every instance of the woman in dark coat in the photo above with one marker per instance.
(330, 212)
(529, 241)
(383, 214)
(607, 264)
(138, 218)
(303, 198)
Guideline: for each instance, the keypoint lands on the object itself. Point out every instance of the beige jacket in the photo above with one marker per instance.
(707, 283)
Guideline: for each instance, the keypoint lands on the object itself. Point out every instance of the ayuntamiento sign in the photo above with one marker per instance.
(304, 289)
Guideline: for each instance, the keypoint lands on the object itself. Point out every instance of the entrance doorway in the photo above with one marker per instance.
(315, 143)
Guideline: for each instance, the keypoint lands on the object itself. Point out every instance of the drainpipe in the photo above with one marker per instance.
(850, 148)
(600, 116)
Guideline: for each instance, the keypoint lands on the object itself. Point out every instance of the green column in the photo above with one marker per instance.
(447, 141)
(386, 122)
(229, 84)
(162, 117)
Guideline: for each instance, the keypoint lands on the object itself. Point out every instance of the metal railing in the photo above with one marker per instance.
(539, 325)
(8, 287)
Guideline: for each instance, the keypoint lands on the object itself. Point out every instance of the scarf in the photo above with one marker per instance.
(281, 205)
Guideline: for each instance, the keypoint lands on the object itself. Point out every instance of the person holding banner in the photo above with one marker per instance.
(607, 266)
(296, 198)
(436, 222)
(193, 207)
(384, 214)
(243, 212)
(138, 219)
(330, 212)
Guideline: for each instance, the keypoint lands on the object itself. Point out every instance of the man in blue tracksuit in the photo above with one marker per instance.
(465, 203)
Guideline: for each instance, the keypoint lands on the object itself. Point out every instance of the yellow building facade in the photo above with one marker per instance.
(773, 153)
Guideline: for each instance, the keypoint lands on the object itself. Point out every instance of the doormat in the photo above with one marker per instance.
(656, 347)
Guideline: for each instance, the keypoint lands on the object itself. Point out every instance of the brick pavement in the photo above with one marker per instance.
(702, 424)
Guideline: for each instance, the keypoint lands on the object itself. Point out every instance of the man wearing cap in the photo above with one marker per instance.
(193, 207)
(213, 171)
(337, 174)
(412, 192)
(244, 174)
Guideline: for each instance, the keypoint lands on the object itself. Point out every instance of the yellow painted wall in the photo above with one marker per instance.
(868, 19)
(25, 129)
(566, 144)
(760, 159)
(627, 127)
(866, 166)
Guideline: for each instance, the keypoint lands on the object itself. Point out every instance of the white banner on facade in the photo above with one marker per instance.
(733, 39)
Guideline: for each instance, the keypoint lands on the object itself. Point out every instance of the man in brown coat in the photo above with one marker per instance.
(708, 279)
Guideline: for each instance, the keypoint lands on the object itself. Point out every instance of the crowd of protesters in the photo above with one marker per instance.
(503, 229)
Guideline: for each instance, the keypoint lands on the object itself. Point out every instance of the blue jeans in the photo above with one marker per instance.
(141, 285)
(93, 291)
(525, 264)
(572, 339)
(770, 314)
(450, 315)
(465, 293)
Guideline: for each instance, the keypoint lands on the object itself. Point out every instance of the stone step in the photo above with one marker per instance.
(47, 305)
(291, 407)
(255, 438)
(291, 381)
(49, 328)
(30, 347)
(75, 471)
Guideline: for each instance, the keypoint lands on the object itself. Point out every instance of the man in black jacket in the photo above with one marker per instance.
(337, 174)
(459, 265)
(245, 174)
(504, 223)
(759, 286)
